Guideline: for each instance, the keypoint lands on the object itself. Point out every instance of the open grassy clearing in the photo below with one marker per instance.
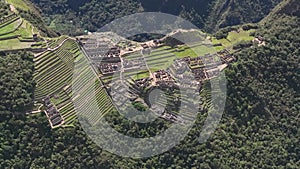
(234, 37)
(194, 51)
(12, 44)
(163, 57)
(22, 4)
(133, 74)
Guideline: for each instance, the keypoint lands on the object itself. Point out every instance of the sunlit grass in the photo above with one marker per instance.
(14, 44)
(19, 4)
(140, 75)
(233, 38)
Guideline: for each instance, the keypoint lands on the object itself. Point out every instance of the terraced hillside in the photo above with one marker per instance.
(54, 77)
(89, 90)
(15, 32)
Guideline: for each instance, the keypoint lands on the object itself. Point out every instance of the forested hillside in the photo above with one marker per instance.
(259, 128)
(16, 82)
(73, 17)
(233, 12)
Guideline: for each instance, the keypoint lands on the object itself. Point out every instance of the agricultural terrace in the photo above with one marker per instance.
(140, 65)
(89, 89)
(22, 4)
(55, 42)
(15, 32)
(55, 70)
(54, 77)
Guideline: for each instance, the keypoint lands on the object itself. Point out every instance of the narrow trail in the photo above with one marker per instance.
(37, 111)
(53, 49)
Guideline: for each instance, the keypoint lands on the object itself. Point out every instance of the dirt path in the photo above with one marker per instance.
(37, 111)
(53, 49)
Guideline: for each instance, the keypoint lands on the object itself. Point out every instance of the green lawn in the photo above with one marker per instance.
(10, 27)
(194, 51)
(141, 74)
(225, 43)
(19, 4)
(163, 57)
(25, 30)
(234, 38)
(13, 44)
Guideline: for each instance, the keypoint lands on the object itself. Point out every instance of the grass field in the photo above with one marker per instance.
(22, 4)
(234, 38)
(140, 75)
(13, 33)
(195, 51)
(11, 27)
(160, 60)
(164, 56)
(12, 44)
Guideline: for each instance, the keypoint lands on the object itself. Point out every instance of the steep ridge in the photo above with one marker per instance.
(232, 12)
(74, 17)
(287, 7)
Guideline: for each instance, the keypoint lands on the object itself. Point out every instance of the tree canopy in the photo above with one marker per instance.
(16, 82)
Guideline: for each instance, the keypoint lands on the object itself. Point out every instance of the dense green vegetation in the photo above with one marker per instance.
(16, 82)
(74, 17)
(37, 22)
(230, 12)
(29, 142)
(4, 9)
(259, 128)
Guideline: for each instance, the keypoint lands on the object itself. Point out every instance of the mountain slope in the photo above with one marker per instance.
(73, 17)
(259, 128)
(233, 12)
(287, 7)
